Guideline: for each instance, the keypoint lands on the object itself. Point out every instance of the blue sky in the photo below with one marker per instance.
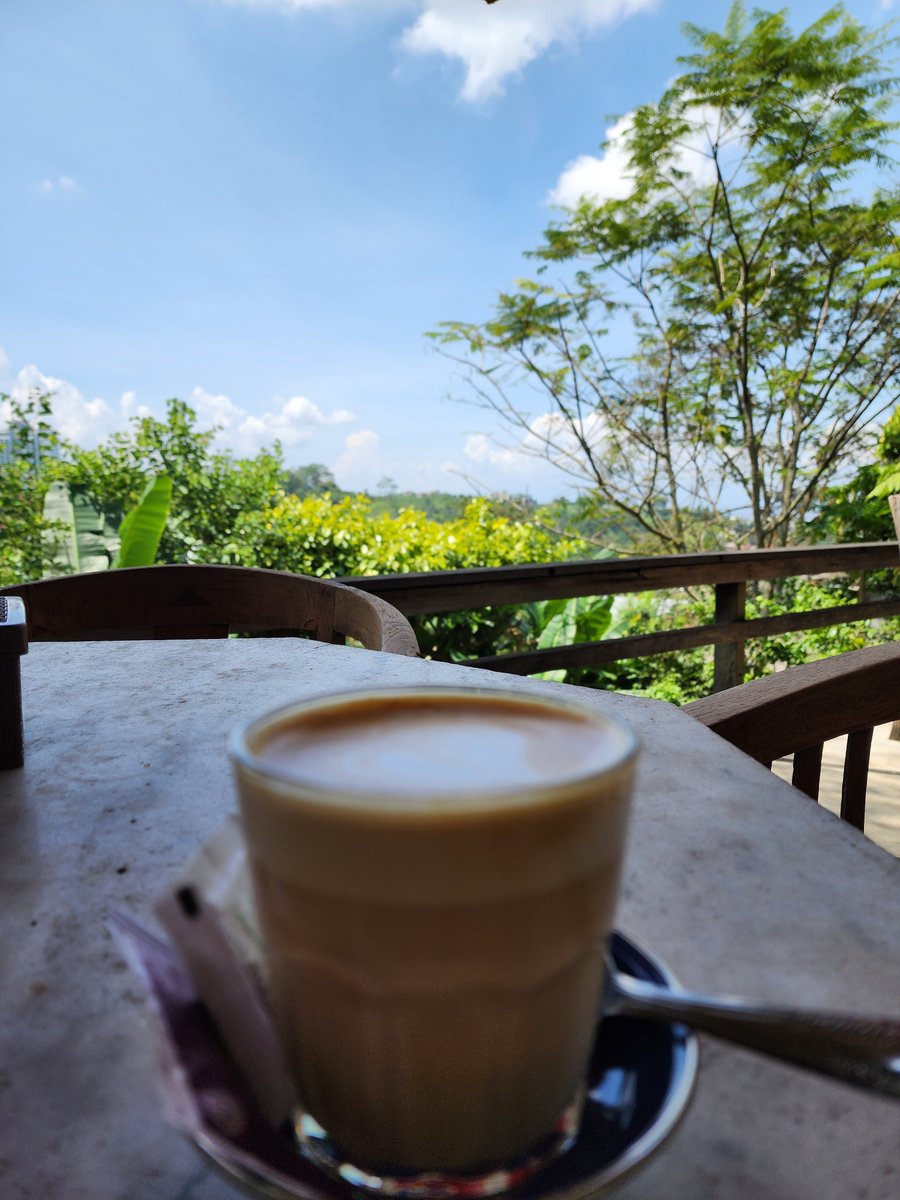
(261, 206)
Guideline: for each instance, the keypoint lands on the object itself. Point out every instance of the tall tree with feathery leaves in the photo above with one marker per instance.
(754, 264)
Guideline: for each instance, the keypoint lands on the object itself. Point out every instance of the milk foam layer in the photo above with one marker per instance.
(422, 749)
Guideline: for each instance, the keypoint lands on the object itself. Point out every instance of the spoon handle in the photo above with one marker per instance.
(864, 1051)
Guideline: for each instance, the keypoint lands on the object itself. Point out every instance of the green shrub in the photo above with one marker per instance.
(315, 536)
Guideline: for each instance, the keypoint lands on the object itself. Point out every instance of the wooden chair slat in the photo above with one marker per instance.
(856, 777)
(795, 711)
(807, 773)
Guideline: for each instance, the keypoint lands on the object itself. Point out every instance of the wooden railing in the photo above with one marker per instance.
(727, 572)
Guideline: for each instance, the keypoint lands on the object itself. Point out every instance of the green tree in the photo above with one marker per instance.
(310, 480)
(27, 465)
(210, 491)
(888, 454)
(757, 293)
(857, 510)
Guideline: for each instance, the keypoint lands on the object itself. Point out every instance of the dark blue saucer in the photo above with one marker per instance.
(639, 1081)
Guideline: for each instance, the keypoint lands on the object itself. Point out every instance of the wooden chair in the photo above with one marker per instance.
(797, 710)
(181, 601)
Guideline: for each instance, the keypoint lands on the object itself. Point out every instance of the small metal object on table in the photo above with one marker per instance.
(13, 644)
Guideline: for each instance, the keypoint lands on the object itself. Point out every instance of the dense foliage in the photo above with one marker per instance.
(237, 511)
(23, 484)
(210, 491)
(858, 509)
(319, 536)
(687, 675)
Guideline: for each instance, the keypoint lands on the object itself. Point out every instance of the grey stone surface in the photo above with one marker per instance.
(738, 882)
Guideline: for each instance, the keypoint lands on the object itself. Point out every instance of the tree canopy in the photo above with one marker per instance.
(704, 352)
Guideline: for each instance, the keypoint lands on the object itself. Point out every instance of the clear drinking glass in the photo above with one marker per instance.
(435, 873)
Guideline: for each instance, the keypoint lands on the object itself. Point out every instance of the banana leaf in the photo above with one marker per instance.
(568, 622)
(143, 527)
(77, 535)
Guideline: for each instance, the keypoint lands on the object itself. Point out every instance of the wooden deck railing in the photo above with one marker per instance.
(727, 572)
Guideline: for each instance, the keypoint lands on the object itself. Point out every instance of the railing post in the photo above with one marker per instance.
(728, 657)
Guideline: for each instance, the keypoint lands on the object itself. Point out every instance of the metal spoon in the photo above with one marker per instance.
(864, 1051)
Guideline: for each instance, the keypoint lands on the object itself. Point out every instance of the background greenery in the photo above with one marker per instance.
(242, 512)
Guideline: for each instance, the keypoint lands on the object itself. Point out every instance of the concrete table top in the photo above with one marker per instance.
(737, 881)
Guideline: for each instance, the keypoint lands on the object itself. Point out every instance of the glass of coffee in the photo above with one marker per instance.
(435, 873)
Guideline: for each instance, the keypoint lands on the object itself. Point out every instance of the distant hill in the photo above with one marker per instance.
(583, 517)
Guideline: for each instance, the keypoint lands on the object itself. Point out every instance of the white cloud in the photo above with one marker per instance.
(130, 407)
(88, 422)
(62, 183)
(483, 450)
(215, 409)
(549, 437)
(360, 465)
(301, 409)
(496, 42)
(76, 418)
(306, 5)
(605, 178)
(562, 441)
(492, 42)
(608, 177)
(364, 463)
(291, 422)
(360, 449)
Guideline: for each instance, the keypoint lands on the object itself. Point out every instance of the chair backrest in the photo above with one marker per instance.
(196, 601)
(797, 710)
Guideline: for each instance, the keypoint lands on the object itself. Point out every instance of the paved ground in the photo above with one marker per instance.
(883, 796)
